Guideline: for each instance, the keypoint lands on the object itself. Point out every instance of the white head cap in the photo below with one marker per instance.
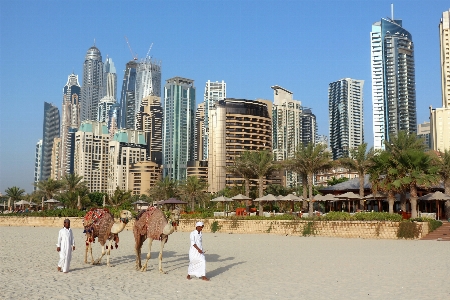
(199, 224)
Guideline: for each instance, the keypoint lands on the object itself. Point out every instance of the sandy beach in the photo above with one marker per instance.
(241, 266)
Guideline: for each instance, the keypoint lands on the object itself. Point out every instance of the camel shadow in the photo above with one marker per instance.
(223, 269)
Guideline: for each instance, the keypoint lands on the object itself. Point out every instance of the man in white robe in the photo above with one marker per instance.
(197, 261)
(65, 246)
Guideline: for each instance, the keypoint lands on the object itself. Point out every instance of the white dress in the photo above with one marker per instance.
(197, 261)
(65, 242)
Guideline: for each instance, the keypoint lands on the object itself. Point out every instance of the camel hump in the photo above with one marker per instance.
(95, 215)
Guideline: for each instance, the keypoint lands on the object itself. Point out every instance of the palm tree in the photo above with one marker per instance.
(120, 197)
(15, 193)
(414, 168)
(193, 189)
(261, 164)
(382, 176)
(73, 182)
(163, 189)
(241, 167)
(49, 187)
(310, 160)
(359, 161)
(442, 161)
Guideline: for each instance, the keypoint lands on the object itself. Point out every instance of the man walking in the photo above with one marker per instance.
(65, 246)
(197, 261)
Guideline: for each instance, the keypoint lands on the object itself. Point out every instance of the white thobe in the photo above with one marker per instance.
(197, 261)
(65, 241)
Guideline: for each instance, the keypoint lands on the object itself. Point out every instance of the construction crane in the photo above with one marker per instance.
(148, 52)
(135, 57)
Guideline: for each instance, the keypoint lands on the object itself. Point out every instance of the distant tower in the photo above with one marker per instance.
(393, 80)
(70, 121)
(309, 127)
(345, 106)
(109, 99)
(150, 120)
(199, 132)
(148, 80)
(109, 79)
(37, 162)
(178, 129)
(91, 155)
(286, 128)
(50, 131)
(92, 90)
(128, 97)
(214, 92)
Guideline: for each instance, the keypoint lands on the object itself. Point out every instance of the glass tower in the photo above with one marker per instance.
(92, 90)
(178, 127)
(128, 96)
(393, 80)
(50, 131)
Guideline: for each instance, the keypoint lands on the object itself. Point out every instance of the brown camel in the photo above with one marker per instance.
(151, 224)
(100, 223)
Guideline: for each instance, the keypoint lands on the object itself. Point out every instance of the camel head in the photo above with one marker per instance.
(168, 229)
(125, 216)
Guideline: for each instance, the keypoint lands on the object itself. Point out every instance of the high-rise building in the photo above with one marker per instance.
(199, 132)
(109, 79)
(286, 128)
(109, 100)
(178, 128)
(440, 117)
(50, 132)
(91, 155)
(423, 132)
(309, 127)
(70, 121)
(236, 125)
(37, 162)
(126, 148)
(56, 159)
(214, 92)
(148, 80)
(142, 176)
(128, 96)
(92, 90)
(345, 107)
(150, 120)
(393, 80)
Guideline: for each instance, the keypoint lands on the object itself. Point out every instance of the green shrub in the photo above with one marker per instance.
(377, 216)
(432, 223)
(215, 226)
(337, 216)
(408, 230)
(309, 229)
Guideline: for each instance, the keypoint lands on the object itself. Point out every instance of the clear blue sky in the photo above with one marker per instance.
(251, 44)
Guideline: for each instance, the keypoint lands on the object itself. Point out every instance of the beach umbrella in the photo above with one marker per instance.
(436, 196)
(222, 199)
(172, 201)
(267, 198)
(240, 197)
(51, 201)
(22, 202)
(140, 203)
(290, 198)
(350, 196)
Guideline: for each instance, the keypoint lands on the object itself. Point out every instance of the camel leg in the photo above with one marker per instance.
(86, 251)
(99, 260)
(137, 249)
(144, 267)
(90, 251)
(108, 253)
(163, 241)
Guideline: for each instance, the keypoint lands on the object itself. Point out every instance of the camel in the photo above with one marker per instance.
(151, 224)
(100, 223)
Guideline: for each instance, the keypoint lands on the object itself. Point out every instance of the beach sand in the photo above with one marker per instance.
(240, 266)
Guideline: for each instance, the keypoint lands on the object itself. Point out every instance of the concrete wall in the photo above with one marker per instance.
(346, 229)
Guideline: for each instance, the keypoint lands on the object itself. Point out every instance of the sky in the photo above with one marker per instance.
(301, 45)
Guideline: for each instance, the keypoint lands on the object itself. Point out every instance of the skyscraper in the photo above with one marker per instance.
(109, 99)
(440, 117)
(148, 80)
(150, 120)
(91, 155)
(214, 92)
(286, 128)
(128, 96)
(92, 90)
(178, 128)
(50, 131)
(37, 162)
(345, 106)
(393, 80)
(109, 79)
(70, 121)
(309, 127)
